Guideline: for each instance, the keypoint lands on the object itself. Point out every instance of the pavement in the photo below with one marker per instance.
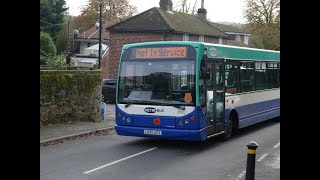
(62, 132)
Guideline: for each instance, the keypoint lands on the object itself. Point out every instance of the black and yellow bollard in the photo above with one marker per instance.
(252, 146)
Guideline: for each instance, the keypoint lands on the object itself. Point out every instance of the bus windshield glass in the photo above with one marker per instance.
(157, 81)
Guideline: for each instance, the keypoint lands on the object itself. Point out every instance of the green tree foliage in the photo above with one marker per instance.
(52, 16)
(185, 6)
(47, 48)
(48, 52)
(62, 40)
(263, 18)
(57, 62)
(62, 36)
(111, 10)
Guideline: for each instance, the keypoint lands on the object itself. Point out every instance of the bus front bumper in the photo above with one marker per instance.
(160, 133)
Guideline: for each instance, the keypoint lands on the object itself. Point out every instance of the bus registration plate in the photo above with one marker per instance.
(152, 132)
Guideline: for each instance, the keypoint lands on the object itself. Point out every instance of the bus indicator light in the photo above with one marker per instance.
(192, 118)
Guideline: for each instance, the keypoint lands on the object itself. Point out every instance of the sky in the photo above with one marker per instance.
(217, 10)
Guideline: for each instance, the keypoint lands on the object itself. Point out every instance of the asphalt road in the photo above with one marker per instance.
(120, 158)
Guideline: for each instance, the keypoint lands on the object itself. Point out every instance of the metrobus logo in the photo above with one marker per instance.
(150, 110)
(213, 51)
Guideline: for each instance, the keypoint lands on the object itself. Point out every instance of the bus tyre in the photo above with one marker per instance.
(228, 134)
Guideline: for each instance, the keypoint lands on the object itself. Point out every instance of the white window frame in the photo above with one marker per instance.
(237, 39)
(220, 40)
(246, 40)
(201, 38)
(185, 37)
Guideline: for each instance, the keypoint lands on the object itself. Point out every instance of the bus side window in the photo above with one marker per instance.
(232, 77)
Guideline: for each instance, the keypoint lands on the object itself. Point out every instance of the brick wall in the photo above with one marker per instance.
(174, 37)
(214, 40)
(117, 40)
(194, 38)
(231, 37)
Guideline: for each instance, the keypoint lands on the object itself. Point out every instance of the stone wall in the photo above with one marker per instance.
(69, 96)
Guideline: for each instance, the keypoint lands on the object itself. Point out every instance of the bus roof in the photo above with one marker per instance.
(222, 51)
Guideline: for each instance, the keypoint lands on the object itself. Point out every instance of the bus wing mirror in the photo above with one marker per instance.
(207, 73)
(204, 73)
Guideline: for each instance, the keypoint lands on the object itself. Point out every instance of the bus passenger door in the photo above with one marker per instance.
(215, 97)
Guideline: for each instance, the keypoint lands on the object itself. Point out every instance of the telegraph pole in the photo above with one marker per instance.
(100, 31)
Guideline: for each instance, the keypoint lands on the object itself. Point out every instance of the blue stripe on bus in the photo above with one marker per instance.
(165, 121)
(256, 112)
(176, 134)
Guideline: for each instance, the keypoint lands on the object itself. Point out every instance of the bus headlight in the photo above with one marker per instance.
(123, 118)
(180, 123)
(128, 120)
(186, 121)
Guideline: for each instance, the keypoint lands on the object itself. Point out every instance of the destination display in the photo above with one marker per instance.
(164, 52)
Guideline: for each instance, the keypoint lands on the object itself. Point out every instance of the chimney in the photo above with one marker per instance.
(166, 5)
(202, 12)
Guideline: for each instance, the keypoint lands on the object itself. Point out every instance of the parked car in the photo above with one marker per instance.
(109, 90)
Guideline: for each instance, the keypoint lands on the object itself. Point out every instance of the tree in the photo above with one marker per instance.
(111, 10)
(184, 6)
(47, 48)
(52, 16)
(62, 36)
(263, 18)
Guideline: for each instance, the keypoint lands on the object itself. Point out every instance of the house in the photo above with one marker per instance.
(160, 24)
(86, 45)
(236, 36)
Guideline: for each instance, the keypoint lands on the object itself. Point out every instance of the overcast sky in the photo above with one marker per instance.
(218, 10)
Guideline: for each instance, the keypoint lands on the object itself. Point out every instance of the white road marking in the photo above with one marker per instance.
(240, 175)
(276, 164)
(263, 156)
(277, 145)
(114, 162)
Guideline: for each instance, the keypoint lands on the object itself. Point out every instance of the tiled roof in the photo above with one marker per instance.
(228, 28)
(158, 20)
(188, 23)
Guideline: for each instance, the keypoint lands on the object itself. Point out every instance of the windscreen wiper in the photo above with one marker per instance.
(182, 107)
(139, 101)
(128, 104)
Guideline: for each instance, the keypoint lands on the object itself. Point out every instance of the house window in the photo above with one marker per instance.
(246, 40)
(220, 40)
(201, 38)
(185, 37)
(88, 44)
(237, 38)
